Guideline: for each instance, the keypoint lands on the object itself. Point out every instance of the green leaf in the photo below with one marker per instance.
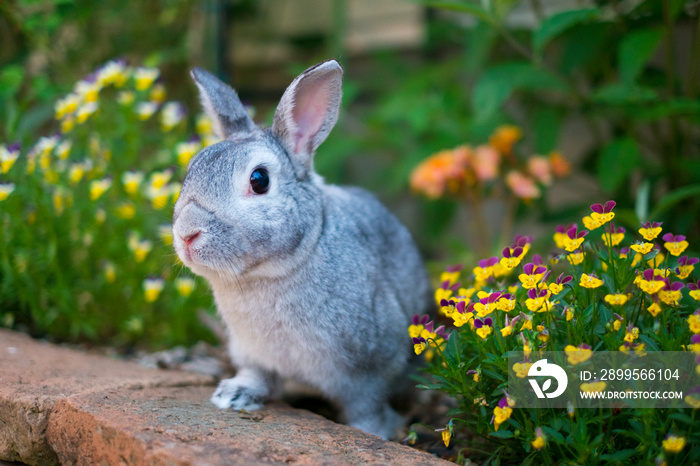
(684, 418)
(11, 78)
(683, 107)
(500, 81)
(463, 7)
(616, 162)
(641, 204)
(560, 22)
(546, 130)
(501, 434)
(619, 455)
(650, 344)
(553, 435)
(673, 198)
(624, 93)
(635, 50)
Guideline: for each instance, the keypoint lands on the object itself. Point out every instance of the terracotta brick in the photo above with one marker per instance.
(35, 375)
(178, 426)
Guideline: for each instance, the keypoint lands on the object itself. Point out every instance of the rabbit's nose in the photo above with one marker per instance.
(189, 239)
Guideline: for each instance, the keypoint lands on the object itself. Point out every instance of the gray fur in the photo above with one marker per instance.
(315, 282)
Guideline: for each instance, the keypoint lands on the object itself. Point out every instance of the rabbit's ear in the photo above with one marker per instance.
(222, 105)
(307, 113)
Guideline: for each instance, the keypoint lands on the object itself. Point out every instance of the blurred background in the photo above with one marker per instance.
(472, 120)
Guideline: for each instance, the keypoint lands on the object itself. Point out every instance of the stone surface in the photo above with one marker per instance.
(179, 426)
(35, 375)
(60, 405)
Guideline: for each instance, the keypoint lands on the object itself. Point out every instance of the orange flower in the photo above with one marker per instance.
(559, 165)
(504, 137)
(539, 168)
(444, 171)
(522, 186)
(485, 163)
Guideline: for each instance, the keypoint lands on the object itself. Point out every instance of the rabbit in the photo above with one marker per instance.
(315, 282)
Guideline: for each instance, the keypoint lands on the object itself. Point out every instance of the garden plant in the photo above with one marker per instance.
(602, 289)
(86, 240)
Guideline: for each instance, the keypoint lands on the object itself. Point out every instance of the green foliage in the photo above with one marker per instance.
(85, 243)
(619, 67)
(601, 301)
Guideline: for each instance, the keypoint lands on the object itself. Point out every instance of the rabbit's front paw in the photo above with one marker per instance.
(240, 393)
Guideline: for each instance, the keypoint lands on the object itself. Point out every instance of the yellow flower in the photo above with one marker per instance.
(654, 309)
(144, 110)
(171, 115)
(157, 94)
(419, 347)
(590, 281)
(484, 331)
(140, 248)
(441, 294)
(616, 299)
(501, 415)
(521, 369)
(559, 239)
(126, 210)
(530, 281)
(539, 442)
(578, 355)
(7, 158)
(131, 182)
(614, 239)
(695, 294)
(527, 325)
(694, 323)
(85, 111)
(166, 233)
(675, 244)
(6, 190)
(184, 286)
(446, 435)
(576, 258)
(572, 244)
(650, 286)
(63, 149)
(673, 443)
(110, 272)
(144, 77)
(591, 224)
(461, 318)
(160, 179)
(602, 218)
(66, 106)
(569, 314)
(670, 297)
(98, 188)
(67, 124)
(631, 334)
(650, 233)
(186, 150)
(126, 98)
(506, 331)
(152, 288)
(113, 72)
(593, 387)
(693, 401)
(88, 91)
(643, 248)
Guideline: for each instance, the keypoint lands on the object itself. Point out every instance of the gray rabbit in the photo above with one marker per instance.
(315, 282)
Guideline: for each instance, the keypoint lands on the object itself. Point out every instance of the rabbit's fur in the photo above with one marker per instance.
(315, 282)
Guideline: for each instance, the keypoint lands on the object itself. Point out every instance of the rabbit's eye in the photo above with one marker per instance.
(259, 181)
